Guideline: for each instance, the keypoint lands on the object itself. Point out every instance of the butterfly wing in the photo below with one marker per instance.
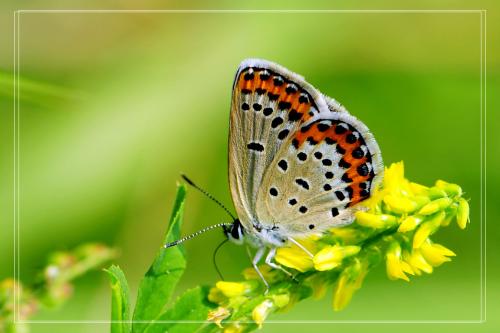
(323, 170)
(277, 130)
(268, 104)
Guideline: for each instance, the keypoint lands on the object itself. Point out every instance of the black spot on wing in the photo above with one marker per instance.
(255, 146)
(303, 183)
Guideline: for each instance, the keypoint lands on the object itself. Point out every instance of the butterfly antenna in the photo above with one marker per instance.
(199, 232)
(214, 258)
(208, 195)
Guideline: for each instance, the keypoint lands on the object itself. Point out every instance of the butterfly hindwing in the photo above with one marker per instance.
(319, 175)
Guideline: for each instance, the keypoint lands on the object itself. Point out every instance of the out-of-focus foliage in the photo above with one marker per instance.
(53, 286)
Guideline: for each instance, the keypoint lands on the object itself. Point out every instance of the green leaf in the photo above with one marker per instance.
(120, 307)
(158, 284)
(191, 306)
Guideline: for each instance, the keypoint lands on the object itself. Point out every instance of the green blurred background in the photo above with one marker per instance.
(113, 107)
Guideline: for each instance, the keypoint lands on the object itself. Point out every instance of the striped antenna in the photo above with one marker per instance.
(199, 232)
(208, 195)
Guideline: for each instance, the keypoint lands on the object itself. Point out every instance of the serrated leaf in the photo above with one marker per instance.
(120, 307)
(191, 306)
(158, 284)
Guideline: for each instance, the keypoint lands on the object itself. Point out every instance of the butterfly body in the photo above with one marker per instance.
(298, 161)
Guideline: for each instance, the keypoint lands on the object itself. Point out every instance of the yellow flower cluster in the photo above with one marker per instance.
(394, 225)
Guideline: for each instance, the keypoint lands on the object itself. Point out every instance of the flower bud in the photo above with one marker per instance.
(375, 221)
(395, 266)
(332, 256)
(427, 228)
(410, 223)
(349, 281)
(234, 289)
(234, 327)
(400, 204)
(295, 257)
(281, 300)
(319, 285)
(215, 295)
(435, 206)
(436, 193)
(418, 189)
(418, 262)
(462, 213)
(267, 272)
(435, 254)
(261, 311)
(451, 190)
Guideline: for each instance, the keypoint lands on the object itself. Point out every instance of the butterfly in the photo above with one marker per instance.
(299, 162)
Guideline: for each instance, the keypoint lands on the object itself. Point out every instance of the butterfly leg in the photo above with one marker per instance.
(269, 260)
(258, 255)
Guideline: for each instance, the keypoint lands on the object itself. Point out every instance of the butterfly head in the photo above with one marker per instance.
(234, 232)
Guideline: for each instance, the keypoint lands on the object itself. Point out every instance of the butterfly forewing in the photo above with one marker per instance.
(297, 160)
(268, 105)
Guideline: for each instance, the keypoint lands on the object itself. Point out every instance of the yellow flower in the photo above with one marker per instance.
(348, 234)
(261, 311)
(394, 180)
(395, 223)
(435, 206)
(395, 266)
(410, 223)
(318, 284)
(215, 295)
(281, 300)
(462, 213)
(400, 204)
(218, 315)
(332, 256)
(418, 262)
(349, 281)
(427, 228)
(234, 328)
(451, 189)
(435, 254)
(267, 272)
(418, 189)
(376, 221)
(234, 289)
(295, 257)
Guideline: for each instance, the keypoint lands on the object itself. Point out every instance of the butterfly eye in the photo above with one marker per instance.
(235, 232)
